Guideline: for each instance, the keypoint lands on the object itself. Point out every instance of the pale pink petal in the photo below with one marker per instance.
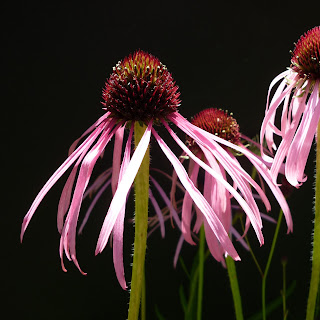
(96, 185)
(168, 203)
(92, 205)
(301, 144)
(123, 187)
(186, 214)
(58, 173)
(117, 150)
(68, 236)
(239, 238)
(74, 144)
(178, 250)
(263, 170)
(199, 200)
(213, 243)
(118, 228)
(253, 215)
(158, 212)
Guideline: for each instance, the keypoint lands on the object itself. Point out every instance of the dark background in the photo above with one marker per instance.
(57, 57)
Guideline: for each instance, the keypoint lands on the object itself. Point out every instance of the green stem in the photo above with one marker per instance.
(231, 267)
(265, 274)
(141, 187)
(315, 271)
(250, 250)
(143, 298)
(284, 289)
(201, 272)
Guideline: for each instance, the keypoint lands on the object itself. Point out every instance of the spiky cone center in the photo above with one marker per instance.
(140, 89)
(217, 122)
(306, 55)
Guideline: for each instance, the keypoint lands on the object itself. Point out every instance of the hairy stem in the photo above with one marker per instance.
(141, 187)
(315, 271)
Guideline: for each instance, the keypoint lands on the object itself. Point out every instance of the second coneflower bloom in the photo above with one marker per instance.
(297, 101)
(218, 125)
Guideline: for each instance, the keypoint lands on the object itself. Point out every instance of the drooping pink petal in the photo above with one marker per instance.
(303, 139)
(186, 214)
(284, 146)
(122, 190)
(74, 144)
(263, 170)
(92, 205)
(58, 173)
(65, 197)
(158, 213)
(68, 236)
(213, 243)
(199, 200)
(168, 203)
(117, 150)
(256, 223)
(118, 228)
(239, 238)
(178, 250)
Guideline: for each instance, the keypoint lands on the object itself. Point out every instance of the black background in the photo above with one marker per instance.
(57, 57)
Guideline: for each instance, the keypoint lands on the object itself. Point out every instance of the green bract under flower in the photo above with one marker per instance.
(141, 89)
(306, 55)
(217, 122)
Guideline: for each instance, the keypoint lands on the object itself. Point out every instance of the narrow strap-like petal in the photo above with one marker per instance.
(210, 158)
(158, 213)
(58, 173)
(118, 228)
(117, 150)
(122, 190)
(68, 236)
(303, 139)
(92, 205)
(102, 118)
(165, 198)
(199, 200)
(186, 214)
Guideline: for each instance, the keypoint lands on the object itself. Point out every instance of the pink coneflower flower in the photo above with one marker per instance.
(140, 90)
(299, 96)
(221, 125)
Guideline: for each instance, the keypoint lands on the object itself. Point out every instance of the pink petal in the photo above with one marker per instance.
(158, 212)
(186, 214)
(92, 205)
(212, 161)
(74, 144)
(123, 187)
(303, 139)
(119, 223)
(68, 236)
(168, 203)
(117, 150)
(199, 200)
(58, 173)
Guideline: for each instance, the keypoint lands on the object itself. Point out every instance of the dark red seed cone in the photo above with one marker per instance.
(141, 89)
(306, 55)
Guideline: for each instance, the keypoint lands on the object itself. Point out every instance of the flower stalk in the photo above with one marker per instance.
(266, 270)
(141, 187)
(201, 272)
(231, 267)
(315, 271)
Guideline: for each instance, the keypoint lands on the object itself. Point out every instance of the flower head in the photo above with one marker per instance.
(218, 123)
(298, 95)
(140, 89)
